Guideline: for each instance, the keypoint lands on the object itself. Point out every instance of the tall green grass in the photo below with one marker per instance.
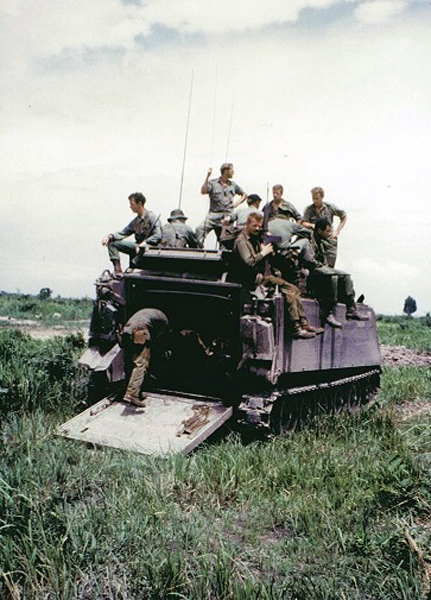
(405, 383)
(317, 515)
(35, 373)
(405, 331)
(321, 514)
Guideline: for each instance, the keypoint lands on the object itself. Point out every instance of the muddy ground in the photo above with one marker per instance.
(397, 356)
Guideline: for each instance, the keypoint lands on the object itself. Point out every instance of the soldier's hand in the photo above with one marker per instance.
(209, 172)
(106, 239)
(266, 249)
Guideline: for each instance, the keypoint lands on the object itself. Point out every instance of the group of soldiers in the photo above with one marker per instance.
(273, 248)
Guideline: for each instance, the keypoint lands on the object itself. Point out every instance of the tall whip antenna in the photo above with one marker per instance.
(214, 116)
(185, 141)
(230, 129)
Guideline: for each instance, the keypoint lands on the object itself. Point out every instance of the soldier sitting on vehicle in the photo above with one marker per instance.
(249, 266)
(327, 284)
(177, 234)
(142, 331)
(145, 227)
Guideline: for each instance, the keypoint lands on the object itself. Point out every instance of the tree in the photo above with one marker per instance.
(44, 293)
(410, 306)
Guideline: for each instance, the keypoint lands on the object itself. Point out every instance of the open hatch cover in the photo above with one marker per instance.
(167, 424)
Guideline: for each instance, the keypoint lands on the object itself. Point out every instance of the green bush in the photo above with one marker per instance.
(35, 373)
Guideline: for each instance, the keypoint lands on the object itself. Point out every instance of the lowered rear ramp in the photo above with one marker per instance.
(167, 425)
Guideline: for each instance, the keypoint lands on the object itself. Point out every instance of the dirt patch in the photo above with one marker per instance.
(412, 410)
(41, 331)
(398, 356)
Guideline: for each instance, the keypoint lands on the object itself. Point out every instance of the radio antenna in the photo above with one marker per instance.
(214, 116)
(186, 140)
(230, 129)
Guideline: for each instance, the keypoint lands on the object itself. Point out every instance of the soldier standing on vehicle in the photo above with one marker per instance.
(145, 226)
(140, 334)
(177, 234)
(320, 210)
(278, 207)
(222, 192)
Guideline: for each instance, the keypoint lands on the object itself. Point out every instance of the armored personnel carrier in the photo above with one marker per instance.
(229, 354)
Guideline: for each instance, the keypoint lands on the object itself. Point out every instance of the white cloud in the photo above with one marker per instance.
(379, 11)
(56, 24)
(346, 108)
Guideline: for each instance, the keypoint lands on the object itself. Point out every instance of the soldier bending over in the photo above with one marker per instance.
(145, 328)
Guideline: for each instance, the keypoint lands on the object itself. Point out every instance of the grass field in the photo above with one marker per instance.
(50, 311)
(338, 510)
(406, 331)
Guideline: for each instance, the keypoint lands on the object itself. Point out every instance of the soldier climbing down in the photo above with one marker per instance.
(145, 328)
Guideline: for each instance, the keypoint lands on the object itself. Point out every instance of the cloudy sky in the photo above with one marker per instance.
(94, 101)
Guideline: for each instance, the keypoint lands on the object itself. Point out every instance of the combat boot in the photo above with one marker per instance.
(136, 401)
(300, 333)
(353, 314)
(118, 271)
(304, 324)
(332, 321)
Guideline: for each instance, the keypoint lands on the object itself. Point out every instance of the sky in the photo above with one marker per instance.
(95, 99)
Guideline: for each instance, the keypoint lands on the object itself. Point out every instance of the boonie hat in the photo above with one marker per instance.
(177, 213)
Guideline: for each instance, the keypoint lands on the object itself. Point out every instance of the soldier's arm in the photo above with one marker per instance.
(341, 214)
(156, 234)
(239, 192)
(300, 230)
(192, 239)
(125, 232)
(248, 257)
(204, 188)
(306, 220)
